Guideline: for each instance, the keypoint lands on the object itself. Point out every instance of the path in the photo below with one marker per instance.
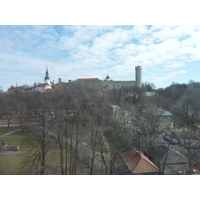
(11, 125)
(10, 132)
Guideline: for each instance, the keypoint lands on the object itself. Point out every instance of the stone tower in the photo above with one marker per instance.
(138, 76)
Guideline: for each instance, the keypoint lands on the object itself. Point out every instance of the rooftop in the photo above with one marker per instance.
(157, 111)
(88, 79)
(42, 85)
(138, 163)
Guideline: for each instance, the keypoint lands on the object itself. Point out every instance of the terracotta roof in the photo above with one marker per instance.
(138, 163)
(16, 88)
(50, 89)
(87, 79)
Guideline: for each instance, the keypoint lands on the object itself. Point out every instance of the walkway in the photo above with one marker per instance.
(11, 132)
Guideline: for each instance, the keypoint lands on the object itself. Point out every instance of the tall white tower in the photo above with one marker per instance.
(46, 78)
(138, 76)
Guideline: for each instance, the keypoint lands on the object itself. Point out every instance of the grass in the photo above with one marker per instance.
(3, 130)
(11, 164)
(14, 139)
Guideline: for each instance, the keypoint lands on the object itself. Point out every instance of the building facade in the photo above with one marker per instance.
(107, 83)
(42, 87)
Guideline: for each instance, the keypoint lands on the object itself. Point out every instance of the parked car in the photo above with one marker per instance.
(171, 140)
(167, 137)
(189, 143)
(183, 142)
(194, 144)
(174, 141)
(84, 143)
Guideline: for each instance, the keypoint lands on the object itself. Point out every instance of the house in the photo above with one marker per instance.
(43, 87)
(135, 162)
(169, 160)
(123, 116)
(20, 89)
(164, 117)
(17, 88)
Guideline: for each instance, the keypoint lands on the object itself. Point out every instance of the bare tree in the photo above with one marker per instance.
(62, 106)
(149, 128)
(37, 125)
(98, 112)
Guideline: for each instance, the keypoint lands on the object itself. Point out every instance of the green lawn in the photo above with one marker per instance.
(11, 164)
(3, 130)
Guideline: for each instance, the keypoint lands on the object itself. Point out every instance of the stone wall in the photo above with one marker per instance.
(9, 147)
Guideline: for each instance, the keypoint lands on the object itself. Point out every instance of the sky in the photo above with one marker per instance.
(167, 53)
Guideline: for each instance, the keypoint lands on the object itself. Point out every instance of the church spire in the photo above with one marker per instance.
(46, 78)
(47, 74)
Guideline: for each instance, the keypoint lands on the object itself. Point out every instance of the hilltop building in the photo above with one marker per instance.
(42, 87)
(107, 83)
(46, 78)
(96, 83)
(20, 89)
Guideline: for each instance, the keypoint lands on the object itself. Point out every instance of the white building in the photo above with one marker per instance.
(42, 87)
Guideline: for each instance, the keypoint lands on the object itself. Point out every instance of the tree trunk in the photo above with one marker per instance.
(61, 155)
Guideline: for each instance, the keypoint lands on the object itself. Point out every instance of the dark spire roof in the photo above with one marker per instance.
(107, 77)
(47, 74)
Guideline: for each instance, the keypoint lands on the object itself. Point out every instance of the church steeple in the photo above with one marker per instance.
(46, 78)
(107, 78)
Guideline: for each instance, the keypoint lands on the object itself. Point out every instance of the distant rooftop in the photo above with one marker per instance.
(88, 79)
(157, 111)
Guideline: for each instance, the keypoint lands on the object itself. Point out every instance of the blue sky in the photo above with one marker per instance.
(167, 53)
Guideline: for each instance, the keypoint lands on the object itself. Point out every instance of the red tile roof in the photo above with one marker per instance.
(50, 89)
(138, 163)
(16, 88)
(87, 79)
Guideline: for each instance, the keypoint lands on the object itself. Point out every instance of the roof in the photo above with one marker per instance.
(165, 154)
(42, 85)
(16, 88)
(107, 77)
(157, 111)
(87, 79)
(138, 163)
(31, 88)
(50, 89)
(60, 82)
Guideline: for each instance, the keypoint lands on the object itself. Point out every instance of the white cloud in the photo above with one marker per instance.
(73, 51)
(169, 76)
